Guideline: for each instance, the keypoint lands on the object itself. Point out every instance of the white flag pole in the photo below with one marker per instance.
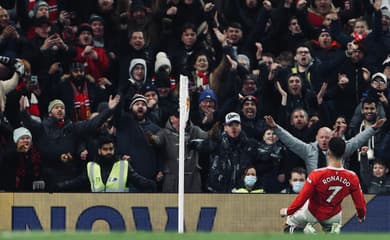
(184, 109)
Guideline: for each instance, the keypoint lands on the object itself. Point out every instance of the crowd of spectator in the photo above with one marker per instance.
(89, 93)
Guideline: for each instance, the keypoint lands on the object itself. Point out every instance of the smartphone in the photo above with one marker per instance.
(34, 80)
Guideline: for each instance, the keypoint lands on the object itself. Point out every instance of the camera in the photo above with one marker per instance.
(33, 80)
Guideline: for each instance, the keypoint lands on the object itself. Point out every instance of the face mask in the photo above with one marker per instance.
(297, 186)
(250, 181)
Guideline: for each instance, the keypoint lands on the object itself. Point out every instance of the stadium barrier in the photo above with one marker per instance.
(158, 212)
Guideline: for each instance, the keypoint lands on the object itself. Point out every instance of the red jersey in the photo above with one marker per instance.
(326, 188)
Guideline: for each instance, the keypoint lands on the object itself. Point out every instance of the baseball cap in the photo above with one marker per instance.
(386, 62)
(385, 12)
(382, 77)
(232, 117)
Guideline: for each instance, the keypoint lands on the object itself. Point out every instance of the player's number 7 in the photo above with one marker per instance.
(335, 190)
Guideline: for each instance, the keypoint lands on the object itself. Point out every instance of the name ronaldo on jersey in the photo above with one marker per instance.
(336, 179)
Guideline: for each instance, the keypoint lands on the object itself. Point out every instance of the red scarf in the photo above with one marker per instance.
(203, 77)
(82, 109)
(359, 37)
(61, 123)
(21, 166)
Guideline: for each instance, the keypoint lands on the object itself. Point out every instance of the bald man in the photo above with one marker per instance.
(314, 153)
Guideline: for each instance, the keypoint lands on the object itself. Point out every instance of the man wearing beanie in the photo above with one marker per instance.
(162, 71)
(251, 123)
(162, 62)
(21, 168)
(80, 93)
(97, 26)
(24, 135)
(134, 131)
(136, 78)
(57, 142)
(96, 59)
(136, 49)
(206, 113)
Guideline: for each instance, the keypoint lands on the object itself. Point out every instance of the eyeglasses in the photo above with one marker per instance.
(378, 82)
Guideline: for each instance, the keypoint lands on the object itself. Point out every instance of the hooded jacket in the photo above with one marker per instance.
(133, 63)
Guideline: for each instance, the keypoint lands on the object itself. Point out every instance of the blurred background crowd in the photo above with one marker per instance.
(89, 93)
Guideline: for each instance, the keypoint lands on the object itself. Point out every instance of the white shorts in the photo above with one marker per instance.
(303, 216)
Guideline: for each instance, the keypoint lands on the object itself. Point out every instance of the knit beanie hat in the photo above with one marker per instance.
(161, 60)
(95, 17)
(53, 103)
(136, 98)
(37, 5)
(83, 27)
(248, 98)
(208, 94)
(149, 88)
(20, 132)
(76, 65)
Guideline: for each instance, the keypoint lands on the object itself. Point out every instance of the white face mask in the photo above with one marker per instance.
(250, 181)
(297, 186)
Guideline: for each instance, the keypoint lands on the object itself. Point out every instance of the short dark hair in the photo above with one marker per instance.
(380, 162)
(105, 139)
(337, 147)
(368, 100)
(250, 76)
(134, 31)
(299, 170)
(303, 45)
(299, 109)
(234, 25)
(294, 75)
(187, 26)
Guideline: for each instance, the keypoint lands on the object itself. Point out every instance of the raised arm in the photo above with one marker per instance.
(297, 146)
(94, 123)
(362, 138)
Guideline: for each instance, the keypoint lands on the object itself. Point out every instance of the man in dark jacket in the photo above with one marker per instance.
(252, 124)
(57, 140)
(108, 174)
(21, 168)
(134, 131)
(230, 154)
(80, 93)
